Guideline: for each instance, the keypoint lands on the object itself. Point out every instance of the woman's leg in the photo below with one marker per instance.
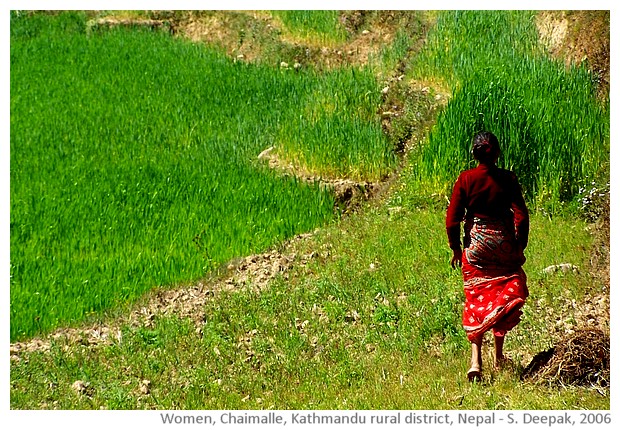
(499, 351)
(475, 370)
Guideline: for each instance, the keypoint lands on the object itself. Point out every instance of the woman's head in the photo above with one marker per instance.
(485, 147)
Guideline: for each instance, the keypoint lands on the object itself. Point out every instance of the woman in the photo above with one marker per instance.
(496, 228)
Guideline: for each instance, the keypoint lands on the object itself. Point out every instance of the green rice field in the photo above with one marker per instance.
(134, 161)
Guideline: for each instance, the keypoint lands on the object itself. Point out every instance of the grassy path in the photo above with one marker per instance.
(371, 321)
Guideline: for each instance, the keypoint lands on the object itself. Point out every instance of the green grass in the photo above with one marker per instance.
(336, 335)
(133, 161)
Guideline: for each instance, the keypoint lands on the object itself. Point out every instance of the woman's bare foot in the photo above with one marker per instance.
(474, 374)
(502, 362)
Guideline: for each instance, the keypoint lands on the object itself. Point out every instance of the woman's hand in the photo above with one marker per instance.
(457, 257)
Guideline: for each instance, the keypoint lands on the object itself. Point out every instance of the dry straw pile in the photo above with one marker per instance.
(579, 359)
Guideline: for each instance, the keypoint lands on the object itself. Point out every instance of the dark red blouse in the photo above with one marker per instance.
(487, 192)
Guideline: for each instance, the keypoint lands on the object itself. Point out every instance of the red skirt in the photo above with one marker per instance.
(494, 282)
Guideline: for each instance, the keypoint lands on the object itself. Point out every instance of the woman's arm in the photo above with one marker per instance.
(454, 216)
(521, 215)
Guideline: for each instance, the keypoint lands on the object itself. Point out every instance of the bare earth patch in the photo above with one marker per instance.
(579, 37)
(242, 34)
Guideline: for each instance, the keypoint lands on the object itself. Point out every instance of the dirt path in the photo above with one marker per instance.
(253, 272)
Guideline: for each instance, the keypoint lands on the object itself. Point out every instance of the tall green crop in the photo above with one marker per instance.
(134, 163)
(553, 132)
(320, 25)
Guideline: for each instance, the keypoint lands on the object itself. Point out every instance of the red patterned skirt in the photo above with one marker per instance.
(494, 281)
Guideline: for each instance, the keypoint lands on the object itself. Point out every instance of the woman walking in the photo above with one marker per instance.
(496, 227)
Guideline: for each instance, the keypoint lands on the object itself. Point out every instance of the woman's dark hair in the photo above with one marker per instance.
(485, 147)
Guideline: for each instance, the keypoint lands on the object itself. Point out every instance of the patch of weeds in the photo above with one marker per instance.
(117, 397)
(149, 337)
